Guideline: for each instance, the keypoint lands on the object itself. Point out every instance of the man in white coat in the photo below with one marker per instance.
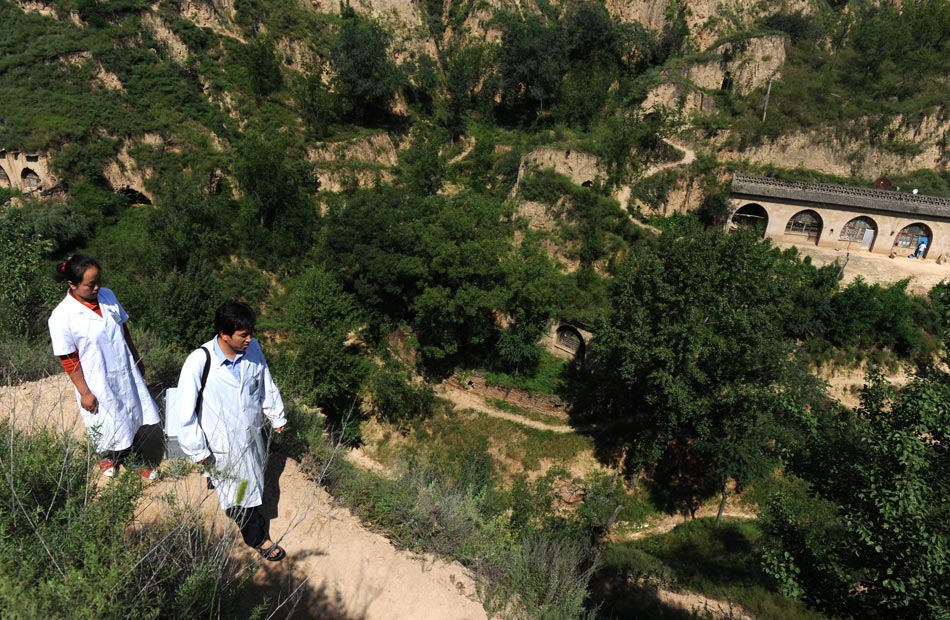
(224, 434)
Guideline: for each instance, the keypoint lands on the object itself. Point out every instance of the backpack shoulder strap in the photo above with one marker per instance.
(204, 379)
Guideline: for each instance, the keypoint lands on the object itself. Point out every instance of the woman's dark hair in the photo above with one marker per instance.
(232, 316)
(74, 268)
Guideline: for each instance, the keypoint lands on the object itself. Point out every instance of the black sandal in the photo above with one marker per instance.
(266, 552)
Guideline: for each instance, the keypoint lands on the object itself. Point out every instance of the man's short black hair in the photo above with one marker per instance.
(232, 316)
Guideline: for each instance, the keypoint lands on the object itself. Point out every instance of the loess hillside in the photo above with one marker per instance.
(121, 92)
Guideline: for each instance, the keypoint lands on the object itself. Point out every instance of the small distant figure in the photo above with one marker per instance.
(919, 253)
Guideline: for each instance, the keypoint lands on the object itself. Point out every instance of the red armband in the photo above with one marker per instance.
(70, 362)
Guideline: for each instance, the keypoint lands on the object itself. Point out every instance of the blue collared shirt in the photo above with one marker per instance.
(233, 366)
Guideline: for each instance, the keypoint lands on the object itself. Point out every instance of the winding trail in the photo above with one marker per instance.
(689, 156)
(622, 193)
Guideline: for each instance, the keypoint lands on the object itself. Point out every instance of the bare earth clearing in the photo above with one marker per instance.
(876, 268)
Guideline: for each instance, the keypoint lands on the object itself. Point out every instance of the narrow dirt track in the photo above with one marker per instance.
(467, 400)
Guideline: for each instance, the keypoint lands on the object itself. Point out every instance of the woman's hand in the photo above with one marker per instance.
(89, 402)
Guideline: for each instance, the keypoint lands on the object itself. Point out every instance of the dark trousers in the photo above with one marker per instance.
(254, 527)
(117, 457)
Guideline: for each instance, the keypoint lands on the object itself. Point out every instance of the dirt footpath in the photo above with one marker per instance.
(335, 568)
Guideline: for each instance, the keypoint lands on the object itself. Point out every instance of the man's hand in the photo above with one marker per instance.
(89, 402)
(281, 429)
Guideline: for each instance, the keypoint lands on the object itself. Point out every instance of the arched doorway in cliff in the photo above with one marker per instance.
(134, 197)
(569, 339)
(804, 226)
(4, 179)
(910, 239)
(30, 179)
(752, 215)
(859, 232)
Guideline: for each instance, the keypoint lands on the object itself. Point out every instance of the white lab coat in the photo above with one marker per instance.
(107, 364)
(229, 427)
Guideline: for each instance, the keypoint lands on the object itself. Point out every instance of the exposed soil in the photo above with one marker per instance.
(474, 397)
(877, 268)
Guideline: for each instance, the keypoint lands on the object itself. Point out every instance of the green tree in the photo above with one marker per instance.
(277, 217)
(424, 83)
(318, 106)
(461, 241)
(692, 363)
(325, 365)
(26, 288)
(535, 291)
(532, 60)
(871, 315)
(189, 222)
(365, 78)
(464, 68)
(397, 398)
(262, 66)
(589, 32)
(434, 263)
(421, 167)
(879, 480)
(183, 313)
(675, 32)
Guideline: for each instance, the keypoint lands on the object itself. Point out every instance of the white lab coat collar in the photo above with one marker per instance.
(83, 308)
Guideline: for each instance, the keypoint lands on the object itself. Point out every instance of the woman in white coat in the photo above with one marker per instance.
(91, 337)
(223, 430)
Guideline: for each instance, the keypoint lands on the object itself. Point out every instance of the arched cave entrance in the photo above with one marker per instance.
(569, 339)
(859, 231)
(4, 179)
(30, 178)
(910, 237)
(135, 197)
(751, 215)
(804, 226)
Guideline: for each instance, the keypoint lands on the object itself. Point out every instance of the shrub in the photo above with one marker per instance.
(397, 399)
(540, 577)
(25, 288)
(25, 360)
(67, 550)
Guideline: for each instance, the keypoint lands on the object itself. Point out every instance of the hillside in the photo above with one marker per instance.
(81, 92)
(425, 200)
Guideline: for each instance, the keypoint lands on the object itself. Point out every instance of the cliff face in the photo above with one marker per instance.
(740, 68)
(403, 18)
(859, 157)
